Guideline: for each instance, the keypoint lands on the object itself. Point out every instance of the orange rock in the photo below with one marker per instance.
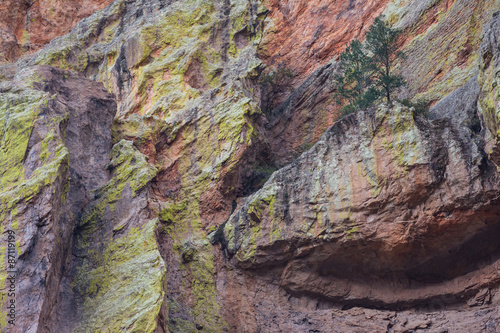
(27, 27)
(326, 27)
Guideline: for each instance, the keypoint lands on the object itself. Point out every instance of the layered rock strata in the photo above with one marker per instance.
(26, 26)
(387, 209)
(387, 224)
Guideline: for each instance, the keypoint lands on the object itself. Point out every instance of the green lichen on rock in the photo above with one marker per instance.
(489, 79)
(130, 171)
(122, 283)
(184, 226)
(319, 196)
(129, 167)
(206, 309)
(20, 107)
(123, 286)
(441, 54)
(185, 72)
(402, 138)
(173, 212)
(3, 277)
(18, 111)
(259, 210)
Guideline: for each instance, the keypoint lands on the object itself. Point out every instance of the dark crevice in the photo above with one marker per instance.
(481, 250)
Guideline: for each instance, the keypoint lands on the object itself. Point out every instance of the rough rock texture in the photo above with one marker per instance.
(28, 25)
(61, 178)
(388, 224)
(440, 40)
(184, 76)
(116, 273)
(326, 27)
(323, 229)
(488, 82)
(303, 117)
(442, 43)
(56, 131)
(332, 217)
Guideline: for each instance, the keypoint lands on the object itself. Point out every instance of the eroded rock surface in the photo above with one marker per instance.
(388, 224)
(56, 130)
(488, 81)
(383, 200)
(26, 26)
(439, 38)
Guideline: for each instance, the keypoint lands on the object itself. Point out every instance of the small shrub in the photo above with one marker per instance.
(273, 84)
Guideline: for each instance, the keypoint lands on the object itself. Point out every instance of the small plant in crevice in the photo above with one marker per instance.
(306, 146)
(475, 124)
(255, 178)
(273, 84)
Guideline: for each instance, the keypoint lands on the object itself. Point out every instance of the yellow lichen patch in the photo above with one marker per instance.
(402, 138)
(18, 112)
(131, 171)
(183, 225)
(123, 286)
(441, 43)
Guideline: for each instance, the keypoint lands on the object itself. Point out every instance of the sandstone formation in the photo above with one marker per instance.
(28, 25)
(56, 136)
(152, 190)
(375, 212)
(440, 40)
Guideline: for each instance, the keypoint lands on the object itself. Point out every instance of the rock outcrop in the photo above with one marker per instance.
(488, 81)
(66, 191)
(440, 40)
(196, 64)
(151, 190)
(56, 140)
(28, 25)
(387, 209)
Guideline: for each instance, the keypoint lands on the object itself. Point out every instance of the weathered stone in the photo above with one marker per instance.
(388, 211)
(488, 81)
(28, 25)
(441, 39)
(56, 141)
(369, 209)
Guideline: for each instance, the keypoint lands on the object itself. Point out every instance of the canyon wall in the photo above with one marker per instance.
(151, 189)
(28, 25)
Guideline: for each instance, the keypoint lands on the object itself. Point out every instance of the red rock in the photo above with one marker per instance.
(27, 26)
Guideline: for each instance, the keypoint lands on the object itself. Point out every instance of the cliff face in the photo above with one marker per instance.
(28, 25)
(155, 184)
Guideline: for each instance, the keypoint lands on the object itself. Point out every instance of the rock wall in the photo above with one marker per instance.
(141, 172)
(365, 217)
(28, 25)
(440, 40)
(56, 139)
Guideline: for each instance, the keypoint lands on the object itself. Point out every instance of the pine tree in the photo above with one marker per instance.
(381, 41)
(357, 71)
